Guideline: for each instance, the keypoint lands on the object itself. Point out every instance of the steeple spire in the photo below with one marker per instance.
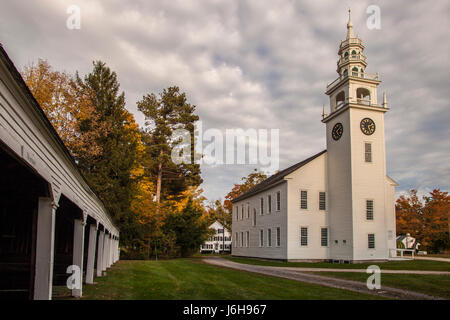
(350, 26)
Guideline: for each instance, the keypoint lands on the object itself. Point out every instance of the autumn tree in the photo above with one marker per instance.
(249, 182)
(217, 212)
(69, 107)
(130, 169)
(164, 114)
(425, 218)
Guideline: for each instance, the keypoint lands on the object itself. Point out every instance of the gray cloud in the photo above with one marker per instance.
(259, 64)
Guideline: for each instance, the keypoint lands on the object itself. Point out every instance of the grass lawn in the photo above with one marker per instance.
(435, 285)
(390, 265)
(192, 279)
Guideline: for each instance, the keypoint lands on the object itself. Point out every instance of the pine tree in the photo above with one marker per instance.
(110, 172)
(165, 114)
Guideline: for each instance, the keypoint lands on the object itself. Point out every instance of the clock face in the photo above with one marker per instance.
(337, 131)
(367, 126)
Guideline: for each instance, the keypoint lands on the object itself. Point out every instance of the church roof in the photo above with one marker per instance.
(276, 178)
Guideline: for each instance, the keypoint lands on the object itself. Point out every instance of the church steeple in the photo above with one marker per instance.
(354, 86)
(349, 26)
(356, 159)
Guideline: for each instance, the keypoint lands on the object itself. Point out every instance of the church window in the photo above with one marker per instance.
(340, 99)
(269, 203)
(269, 237)
(247, 242)
(242, 239)
(324, 237)
(261, 237)
(278, 201)
(254, 217)
(261, 208)
(303, 199)
(369, 209)
(363, 96)
(322, 201)
(304, 236)
(278, 236)
(346, 54)
(368, 152)
(371, 241)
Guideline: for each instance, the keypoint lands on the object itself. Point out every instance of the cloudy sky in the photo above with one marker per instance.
(259, 64)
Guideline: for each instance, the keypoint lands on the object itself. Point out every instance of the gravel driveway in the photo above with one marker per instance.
(304, 275)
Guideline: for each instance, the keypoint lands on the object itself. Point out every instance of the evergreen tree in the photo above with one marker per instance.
(189, 226)
(165, 114)
(110, 172)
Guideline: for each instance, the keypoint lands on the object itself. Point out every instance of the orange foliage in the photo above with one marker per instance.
(68, 107)
(424, 218)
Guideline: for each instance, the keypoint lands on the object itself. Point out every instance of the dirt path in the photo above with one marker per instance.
(445, 273)
(301, 274)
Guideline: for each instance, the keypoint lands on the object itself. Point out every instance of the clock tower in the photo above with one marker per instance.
(361, 217)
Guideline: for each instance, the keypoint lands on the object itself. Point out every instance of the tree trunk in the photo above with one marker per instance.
(159, 180)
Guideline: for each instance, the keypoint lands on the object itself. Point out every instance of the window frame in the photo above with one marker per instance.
(370, 152)
(367, 210)
(247, 239)
(301, 199)
(324, 201)
(278, 237)
(368, 241)
(261, 238)
(278, 201)
(269, 237)
(269, 204)
(302, 236)
(327, 237)
(261, 206)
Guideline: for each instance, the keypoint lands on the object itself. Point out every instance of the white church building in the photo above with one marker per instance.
(337, 205)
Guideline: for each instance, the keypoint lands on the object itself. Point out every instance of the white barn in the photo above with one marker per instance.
(338, 204)
(220, 241)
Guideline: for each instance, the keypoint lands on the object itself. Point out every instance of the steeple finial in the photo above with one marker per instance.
(324, 113)
(350, 26)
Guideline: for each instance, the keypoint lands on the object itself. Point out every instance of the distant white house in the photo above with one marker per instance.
(220, 241)
(407, 242)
